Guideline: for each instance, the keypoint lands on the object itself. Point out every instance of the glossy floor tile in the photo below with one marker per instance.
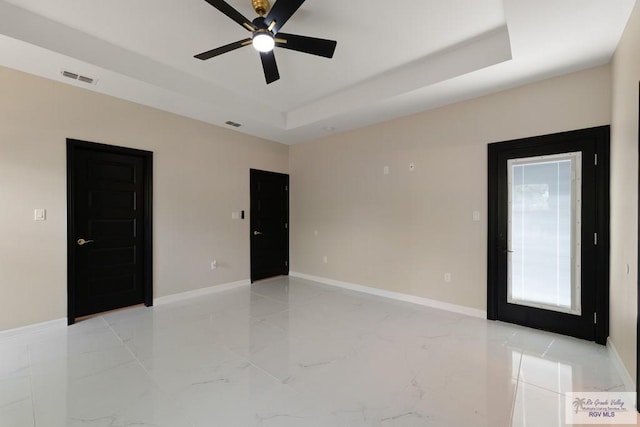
(290, 352)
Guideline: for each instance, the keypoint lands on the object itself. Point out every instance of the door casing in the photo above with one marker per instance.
(638, 278)
(147, 262)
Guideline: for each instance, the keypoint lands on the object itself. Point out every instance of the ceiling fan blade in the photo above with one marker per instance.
(225, 8)
(270, 67)
(312, 45)
(280, 13)
(223, 49)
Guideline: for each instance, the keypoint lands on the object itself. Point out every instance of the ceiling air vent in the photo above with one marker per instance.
(74, 76)
(234, 124)
(70, 75)
(85, 79)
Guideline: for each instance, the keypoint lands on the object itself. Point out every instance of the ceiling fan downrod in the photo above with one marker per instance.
(261, 6)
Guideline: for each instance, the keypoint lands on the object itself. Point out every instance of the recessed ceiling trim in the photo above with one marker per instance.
(480, 52)
(144, 61)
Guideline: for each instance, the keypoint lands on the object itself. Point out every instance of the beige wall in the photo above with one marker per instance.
(403, 231)
(201, 175)
(624, 192)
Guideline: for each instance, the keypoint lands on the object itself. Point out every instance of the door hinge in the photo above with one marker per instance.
(286, 263)
(286, 188)
(286, 225)
(595, 318)
(595, 239)
(595, 161)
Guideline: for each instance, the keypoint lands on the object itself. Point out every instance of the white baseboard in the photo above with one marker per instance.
(460, 309)
(62, 323)
(629, 382)
(200, 292)
(35, 328)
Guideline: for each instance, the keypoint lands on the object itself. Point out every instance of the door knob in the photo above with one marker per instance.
(82, 242)
(257, 233)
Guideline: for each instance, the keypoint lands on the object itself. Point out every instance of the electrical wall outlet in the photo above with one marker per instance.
(447, 277)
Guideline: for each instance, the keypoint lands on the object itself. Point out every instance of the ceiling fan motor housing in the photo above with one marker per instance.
(261, 6)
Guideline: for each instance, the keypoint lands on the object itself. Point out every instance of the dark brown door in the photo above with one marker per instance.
(549, 233)
(109, 228)
(269, 224)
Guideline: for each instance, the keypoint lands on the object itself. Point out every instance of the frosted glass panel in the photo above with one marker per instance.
(544, 204)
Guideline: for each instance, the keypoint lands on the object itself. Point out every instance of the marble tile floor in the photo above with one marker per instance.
(290, 352)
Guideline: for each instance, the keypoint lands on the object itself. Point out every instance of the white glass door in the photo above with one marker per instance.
(544, 229)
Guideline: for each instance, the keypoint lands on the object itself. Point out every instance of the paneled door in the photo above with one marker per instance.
(109, 233)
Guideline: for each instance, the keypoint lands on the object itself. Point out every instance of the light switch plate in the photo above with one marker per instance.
(40, 215)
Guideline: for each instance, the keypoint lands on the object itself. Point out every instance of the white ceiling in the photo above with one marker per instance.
(390, 60)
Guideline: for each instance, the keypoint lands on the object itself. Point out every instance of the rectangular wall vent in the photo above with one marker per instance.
(234, 124)
(74, 76)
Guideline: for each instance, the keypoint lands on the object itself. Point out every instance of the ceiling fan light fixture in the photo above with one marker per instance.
(263, 41)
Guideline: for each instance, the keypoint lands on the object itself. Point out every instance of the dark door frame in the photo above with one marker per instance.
(494, 260)
(147, 262)
(252, 174)
(638, 278)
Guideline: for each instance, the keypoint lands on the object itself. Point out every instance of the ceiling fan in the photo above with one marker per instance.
(265, 34)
